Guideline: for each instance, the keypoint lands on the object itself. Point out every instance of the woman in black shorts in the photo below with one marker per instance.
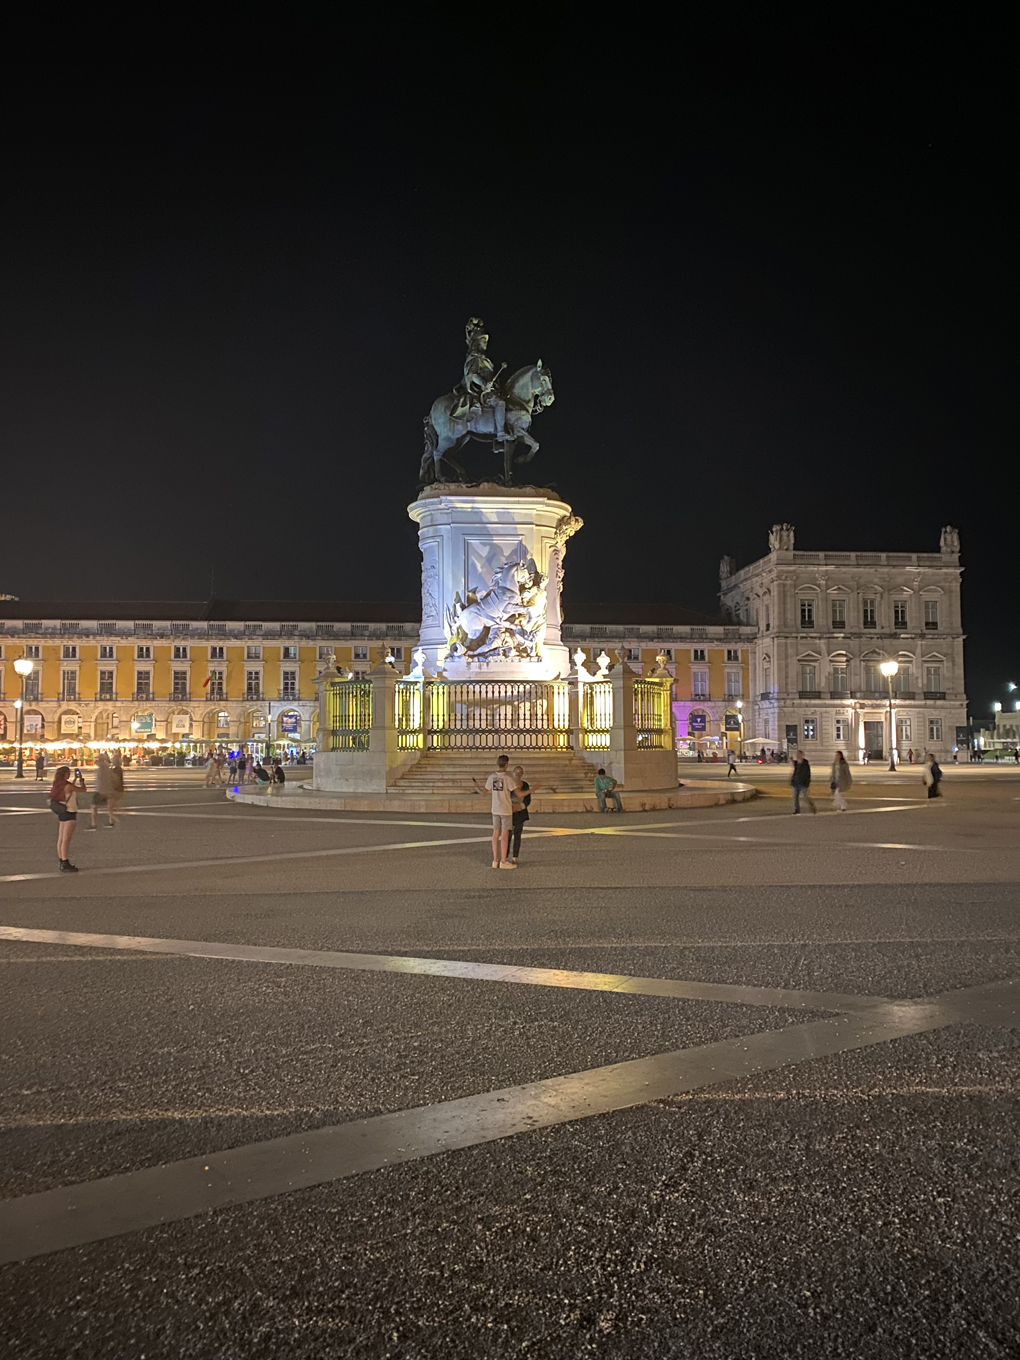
(64, 803)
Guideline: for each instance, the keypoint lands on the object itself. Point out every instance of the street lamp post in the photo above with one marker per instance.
(740, 733)
(24, 667)
(889, 669)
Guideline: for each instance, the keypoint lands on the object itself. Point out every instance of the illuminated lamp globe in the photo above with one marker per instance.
(889, 667)
(23, 666)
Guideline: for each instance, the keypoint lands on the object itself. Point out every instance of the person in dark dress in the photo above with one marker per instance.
(521, 795)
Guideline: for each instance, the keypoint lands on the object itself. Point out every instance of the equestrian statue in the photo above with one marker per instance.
(483, 408)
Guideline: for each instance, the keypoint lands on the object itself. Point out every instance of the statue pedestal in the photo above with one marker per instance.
(492, 571)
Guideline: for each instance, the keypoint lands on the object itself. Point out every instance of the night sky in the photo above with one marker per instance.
(770, 268)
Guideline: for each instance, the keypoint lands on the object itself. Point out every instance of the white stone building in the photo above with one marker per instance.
(824, 624)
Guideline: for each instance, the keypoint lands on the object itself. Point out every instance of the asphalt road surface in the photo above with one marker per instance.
(718, 1083)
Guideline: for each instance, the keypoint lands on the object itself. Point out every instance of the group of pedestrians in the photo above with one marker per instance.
(66, 792)
(269, 776)
(243, 768)
(511, 797)
(840, 780)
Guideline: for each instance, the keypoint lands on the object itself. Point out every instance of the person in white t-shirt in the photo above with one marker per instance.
(500, 785)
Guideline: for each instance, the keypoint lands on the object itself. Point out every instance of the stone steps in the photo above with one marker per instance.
(451, 772)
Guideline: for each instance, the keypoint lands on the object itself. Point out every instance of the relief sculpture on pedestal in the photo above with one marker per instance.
(504, 620)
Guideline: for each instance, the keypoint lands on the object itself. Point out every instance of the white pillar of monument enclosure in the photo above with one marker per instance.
(491, 577)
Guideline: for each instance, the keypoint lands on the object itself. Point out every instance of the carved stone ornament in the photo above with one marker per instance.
(950, 542)
(502, 621)
(727, 566)
(566, 528)
(583, 673)
(429, 577)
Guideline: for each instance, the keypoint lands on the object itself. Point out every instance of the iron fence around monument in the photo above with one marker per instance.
(407, 715)
(479, 715)
(349, 715)
(597, 715)
(651, 714)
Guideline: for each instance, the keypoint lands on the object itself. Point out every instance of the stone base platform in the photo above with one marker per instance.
(706, 793)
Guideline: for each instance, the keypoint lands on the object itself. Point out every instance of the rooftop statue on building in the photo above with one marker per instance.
(481, 407)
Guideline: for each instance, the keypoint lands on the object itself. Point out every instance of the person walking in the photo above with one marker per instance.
(64, 804)
(115, 798)
(910, 756)
(499, 785)
(249, 769)
(40, 765)
(232, 770)
(933, 776)
(520, 796)
(800, 781)
(102, 789)
(605, 787)
(731, 763)
(840, 781)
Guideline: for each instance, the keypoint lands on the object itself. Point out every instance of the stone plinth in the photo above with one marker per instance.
(492, 572)
(704, 793)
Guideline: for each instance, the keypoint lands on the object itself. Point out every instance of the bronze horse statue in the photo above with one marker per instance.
(529, 390)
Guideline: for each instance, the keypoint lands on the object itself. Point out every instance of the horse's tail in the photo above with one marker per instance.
(427, 472)
(431, 438)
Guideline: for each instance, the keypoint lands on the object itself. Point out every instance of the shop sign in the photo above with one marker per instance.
(290, 723)
(792, 735)
(33, 724)
(963, 737)
(697, 722)
(732, 722)
(180, 722)
(69, 723)
(3, 724)
(142, 723)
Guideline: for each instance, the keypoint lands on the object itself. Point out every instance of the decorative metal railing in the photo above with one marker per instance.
(514, 714)
(651, 714)
(596, 715)
(349, 714)
(408, 700)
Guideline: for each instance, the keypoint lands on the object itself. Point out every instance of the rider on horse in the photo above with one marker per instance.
(479, 390)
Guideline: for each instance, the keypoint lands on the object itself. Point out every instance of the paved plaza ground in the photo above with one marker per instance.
(717, 1083)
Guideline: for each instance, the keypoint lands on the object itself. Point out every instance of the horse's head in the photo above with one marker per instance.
(531, 387)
